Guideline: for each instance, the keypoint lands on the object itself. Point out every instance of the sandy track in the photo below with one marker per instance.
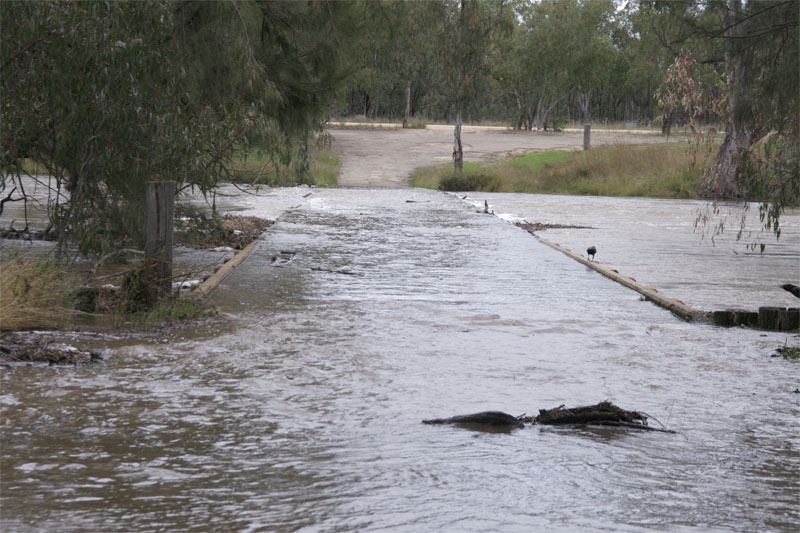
(385, 158)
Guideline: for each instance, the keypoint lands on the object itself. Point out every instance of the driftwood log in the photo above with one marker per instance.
(601, 414)
(486, 419)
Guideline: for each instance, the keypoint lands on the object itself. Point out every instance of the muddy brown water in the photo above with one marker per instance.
(300, 408)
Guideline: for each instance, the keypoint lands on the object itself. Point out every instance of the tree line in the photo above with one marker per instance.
(109, 95)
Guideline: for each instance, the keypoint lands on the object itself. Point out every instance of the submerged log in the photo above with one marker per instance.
(494, 419)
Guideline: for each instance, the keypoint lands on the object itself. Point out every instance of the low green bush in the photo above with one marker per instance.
(470, 181)
(417, 124)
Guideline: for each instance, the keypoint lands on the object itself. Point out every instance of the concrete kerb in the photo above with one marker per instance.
(677, 307)
(209, 285)
(766, 318)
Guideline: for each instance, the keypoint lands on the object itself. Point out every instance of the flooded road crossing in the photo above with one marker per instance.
(301, 407)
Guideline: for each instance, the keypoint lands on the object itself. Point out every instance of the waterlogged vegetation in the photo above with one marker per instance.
(34, 293)
(41, 292)
(166, 312)
(789, 352)
(656, 171)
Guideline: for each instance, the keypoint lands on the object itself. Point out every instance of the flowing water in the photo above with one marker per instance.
(300, 408)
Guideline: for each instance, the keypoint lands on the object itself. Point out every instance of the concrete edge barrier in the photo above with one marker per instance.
(677, 307)
(207, 287)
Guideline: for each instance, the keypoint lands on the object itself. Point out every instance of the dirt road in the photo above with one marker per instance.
(385, 157)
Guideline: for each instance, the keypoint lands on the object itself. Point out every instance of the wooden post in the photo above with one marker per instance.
(159, 242)
(458, 150)
(587, 130)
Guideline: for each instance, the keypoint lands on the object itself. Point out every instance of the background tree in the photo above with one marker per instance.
(392, 61)
(561, 50)
(464, 32)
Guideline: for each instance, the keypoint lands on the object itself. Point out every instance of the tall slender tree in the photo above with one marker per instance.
(465, 31)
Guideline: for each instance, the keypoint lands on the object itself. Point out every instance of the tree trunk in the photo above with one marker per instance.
(407, 116)
(159, 229)
(583, 102)
(521, 119)
(723, 180)
(666, 124)
(458, 151)
(587, 134)
(539, 118)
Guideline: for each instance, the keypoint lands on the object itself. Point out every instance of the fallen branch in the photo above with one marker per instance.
(602, 414)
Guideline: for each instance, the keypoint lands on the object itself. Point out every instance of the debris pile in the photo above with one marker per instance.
(602, 414)
(21, 348)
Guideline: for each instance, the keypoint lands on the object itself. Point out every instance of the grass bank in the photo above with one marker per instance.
(649, 170)
(256, 168)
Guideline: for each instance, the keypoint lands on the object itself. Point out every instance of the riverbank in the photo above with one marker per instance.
(386, 156)
(642, 170)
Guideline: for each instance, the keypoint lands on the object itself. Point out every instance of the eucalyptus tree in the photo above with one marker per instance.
(591, 53)
(109, 95)
(522, 59)
(647, 61)
(465, 31)
(563, 48)
(414, 53)
(753, 46)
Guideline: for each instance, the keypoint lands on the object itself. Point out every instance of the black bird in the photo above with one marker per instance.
(591, 251)
(794, 289)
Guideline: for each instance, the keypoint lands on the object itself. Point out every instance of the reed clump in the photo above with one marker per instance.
(35, 292)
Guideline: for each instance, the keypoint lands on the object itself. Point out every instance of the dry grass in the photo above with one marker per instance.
(34, 293)
(256, 168)
(652, 170)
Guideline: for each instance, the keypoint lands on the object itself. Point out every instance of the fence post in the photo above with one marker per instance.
(587, 130)
(160, 197)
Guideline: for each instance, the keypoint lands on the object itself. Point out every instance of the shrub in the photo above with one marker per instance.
(470, 182)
